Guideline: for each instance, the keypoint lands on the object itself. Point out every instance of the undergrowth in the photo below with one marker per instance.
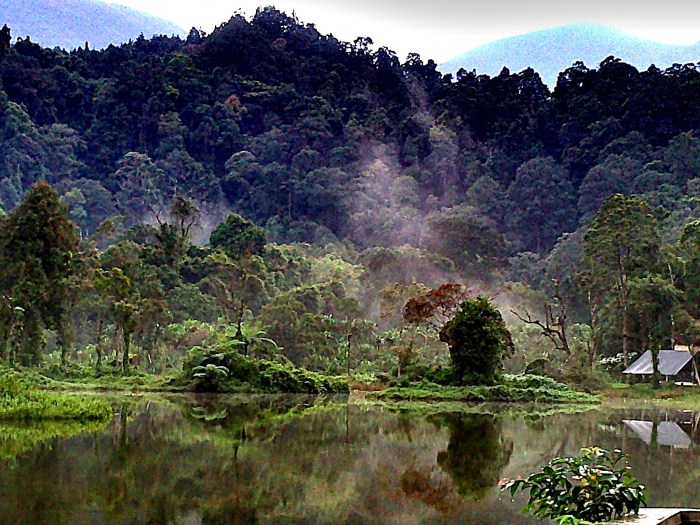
(76, 377)
(668, 395)
(225, 369)
(512, 388)
(21, 401)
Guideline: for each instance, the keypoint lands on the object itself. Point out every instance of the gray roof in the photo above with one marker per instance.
(667, 433)
(670, 362)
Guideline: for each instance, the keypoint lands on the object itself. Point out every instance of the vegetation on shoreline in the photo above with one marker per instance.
(224, 369)
(19, 401)
(644, 394)
(511, 388)
(106, 379)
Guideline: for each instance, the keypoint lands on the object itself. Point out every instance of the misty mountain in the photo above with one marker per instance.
(551, 51)
(71, 23)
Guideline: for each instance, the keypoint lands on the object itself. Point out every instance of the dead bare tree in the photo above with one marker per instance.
(554, 326)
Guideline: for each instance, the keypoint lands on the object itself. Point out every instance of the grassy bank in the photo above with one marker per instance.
(671, 396)
(107, 379)
(511, 389)
(21, 401)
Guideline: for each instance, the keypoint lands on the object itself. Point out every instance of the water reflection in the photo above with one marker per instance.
(677, 430)
(476, 453)
(276, 459)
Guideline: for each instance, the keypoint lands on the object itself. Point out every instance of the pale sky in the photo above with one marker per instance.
(443, 29)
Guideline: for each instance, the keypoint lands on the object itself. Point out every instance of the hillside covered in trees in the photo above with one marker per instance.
(356, 183)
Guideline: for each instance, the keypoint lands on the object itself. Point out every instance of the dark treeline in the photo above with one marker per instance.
(408, 178)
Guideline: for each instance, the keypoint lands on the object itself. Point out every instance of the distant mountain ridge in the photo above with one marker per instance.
(551, 51)
(71, 23)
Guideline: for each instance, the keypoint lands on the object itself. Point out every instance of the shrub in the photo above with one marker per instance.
(479, 341)
(224, 369)
(208, 377)
(595, 486)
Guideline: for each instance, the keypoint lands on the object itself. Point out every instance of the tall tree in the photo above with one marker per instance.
(653, 300)
(37, 241)
(622, 243)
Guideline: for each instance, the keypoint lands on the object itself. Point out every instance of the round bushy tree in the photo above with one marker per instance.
(238, 237)
(478, 341)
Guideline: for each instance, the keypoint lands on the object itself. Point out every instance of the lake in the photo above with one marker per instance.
(306, 460)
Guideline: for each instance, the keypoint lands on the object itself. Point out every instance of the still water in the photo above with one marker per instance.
(303, 460)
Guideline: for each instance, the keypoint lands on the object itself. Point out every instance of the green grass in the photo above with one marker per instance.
(512, 410)
(107, 379)
(22, 401)
(673, 396)
(511, 389)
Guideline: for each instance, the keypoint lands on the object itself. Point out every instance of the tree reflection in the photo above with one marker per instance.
(476, 453)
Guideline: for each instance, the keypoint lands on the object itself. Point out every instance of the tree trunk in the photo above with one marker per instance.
(98, 346)
(239, 330)
(125, 356)
(655, 366)
(31, 341)
(64, 340)
(623, 298)
(625, 336)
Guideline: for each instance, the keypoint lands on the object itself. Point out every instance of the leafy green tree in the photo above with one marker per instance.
(653, 300)
(614, 175)
(37, 242)
(237, 285)
(119, 290)
(479, 341)
(542, 209)
(238, 237)
(89, 203)
(254, 341)
(174, 231)
(622, 243)
(689, 274)
(134, 295)
(488, 196)
(140, 185)
(682, 155)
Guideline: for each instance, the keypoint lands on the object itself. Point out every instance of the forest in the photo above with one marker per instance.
(274, 193)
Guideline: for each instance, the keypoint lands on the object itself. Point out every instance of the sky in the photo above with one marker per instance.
(443, 29)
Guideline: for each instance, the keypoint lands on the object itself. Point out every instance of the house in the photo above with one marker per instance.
(674, 365)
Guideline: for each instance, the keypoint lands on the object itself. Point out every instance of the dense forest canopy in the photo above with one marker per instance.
(357, 182)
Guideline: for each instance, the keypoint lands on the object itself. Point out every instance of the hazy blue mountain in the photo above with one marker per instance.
(551, 51)
(71, 23)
